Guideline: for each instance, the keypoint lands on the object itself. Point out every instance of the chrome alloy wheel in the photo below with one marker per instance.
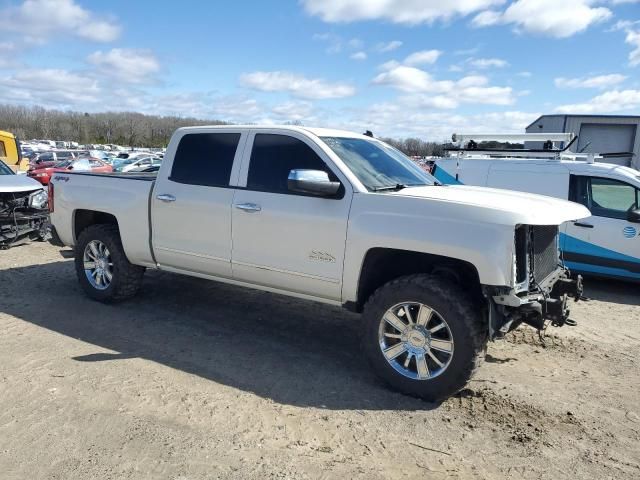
(98, 266)
(415, 340)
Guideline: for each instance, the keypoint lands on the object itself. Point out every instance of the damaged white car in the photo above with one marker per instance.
(23, 209)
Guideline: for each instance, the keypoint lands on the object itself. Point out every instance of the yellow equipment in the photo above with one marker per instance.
(10, 152)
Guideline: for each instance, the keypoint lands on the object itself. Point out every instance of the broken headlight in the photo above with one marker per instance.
(38, 199)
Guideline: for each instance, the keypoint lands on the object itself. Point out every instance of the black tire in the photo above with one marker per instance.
(127, 278)
(466, 325)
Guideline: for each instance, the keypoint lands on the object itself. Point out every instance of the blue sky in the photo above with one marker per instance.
(421, 68)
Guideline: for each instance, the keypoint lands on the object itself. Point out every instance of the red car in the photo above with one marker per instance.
(93, 165)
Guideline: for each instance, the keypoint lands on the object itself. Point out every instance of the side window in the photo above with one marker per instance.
(205, 159)
(274, 156)
(3, 152)
(613, 199)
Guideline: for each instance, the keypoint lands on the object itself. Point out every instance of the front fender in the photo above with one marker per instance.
(384, 221)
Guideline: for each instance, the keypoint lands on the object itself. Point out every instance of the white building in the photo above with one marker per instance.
(597, 134)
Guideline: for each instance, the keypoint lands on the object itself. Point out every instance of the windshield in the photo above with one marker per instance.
(4, 170)
(377, 165)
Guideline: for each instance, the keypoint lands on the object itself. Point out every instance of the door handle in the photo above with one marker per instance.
(165, 197)
(583, 225)
(248, 207)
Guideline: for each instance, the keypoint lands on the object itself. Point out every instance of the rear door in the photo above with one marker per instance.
(605, 243)
(191, 202)
(283, 239)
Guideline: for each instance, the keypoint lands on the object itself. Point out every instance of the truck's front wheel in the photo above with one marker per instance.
(423, 336)
(103, 270)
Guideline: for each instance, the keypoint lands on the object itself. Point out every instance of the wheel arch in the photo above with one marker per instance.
(86, 218)
(382, 265)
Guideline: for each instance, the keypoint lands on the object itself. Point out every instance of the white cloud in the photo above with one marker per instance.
(424, 57)
(50, 87)
(129, 65)
(333, 41)
(612, 101)
(486, 18)
(632, 30)
(473, 89)
(401, 119)
(599, 81)
(633, 39)
(488, 62)
(397, 11)
(388, 46)
(38, 20)
(552, 18)
(391, 64)
(296, 85)
(359, 56)
(293, 111)
(7, 52)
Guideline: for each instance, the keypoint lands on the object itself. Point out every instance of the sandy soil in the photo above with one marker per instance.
(195, 380)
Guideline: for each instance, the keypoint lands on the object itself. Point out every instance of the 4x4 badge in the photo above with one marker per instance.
(321, 256)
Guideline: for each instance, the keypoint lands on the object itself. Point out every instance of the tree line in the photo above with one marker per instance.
(414, 147)
(131, 128)
(120, 128)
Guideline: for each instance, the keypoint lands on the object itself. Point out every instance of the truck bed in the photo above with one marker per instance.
(124, 196)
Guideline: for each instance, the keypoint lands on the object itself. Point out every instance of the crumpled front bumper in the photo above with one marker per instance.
(23, 224)
(547, 301)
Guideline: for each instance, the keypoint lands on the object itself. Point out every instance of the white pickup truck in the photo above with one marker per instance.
(338, 218)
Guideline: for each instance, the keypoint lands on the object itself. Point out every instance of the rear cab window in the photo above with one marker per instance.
(205, 159)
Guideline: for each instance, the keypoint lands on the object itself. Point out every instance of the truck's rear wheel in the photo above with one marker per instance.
(423, 336)
(103, 270)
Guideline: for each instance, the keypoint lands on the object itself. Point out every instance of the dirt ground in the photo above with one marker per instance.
(195, 380)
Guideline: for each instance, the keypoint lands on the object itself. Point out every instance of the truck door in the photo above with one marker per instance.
(191, 203)
(605, 243)
(283, 239)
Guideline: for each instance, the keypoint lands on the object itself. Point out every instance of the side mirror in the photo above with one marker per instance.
(313, 182)
(633, 216)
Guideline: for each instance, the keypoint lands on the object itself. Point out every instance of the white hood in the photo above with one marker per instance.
(533, 209)
(18, 183)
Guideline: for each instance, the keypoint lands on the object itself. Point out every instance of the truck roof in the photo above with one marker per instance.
(320, 132)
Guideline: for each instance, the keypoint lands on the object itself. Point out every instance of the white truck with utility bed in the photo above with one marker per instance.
(334, 217)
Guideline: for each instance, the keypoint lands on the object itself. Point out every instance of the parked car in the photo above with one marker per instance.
(145, 169)
(129, 164)
(23, 208)
(336, 217)
(50, 158)
(608, 243)
(93, 165)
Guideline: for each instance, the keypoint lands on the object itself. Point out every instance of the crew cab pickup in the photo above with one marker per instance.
(338, 218)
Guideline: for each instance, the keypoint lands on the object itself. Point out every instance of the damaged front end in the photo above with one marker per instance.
(23, 216)
(543, 285)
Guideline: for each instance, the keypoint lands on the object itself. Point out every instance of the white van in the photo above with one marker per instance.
(605, 244)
